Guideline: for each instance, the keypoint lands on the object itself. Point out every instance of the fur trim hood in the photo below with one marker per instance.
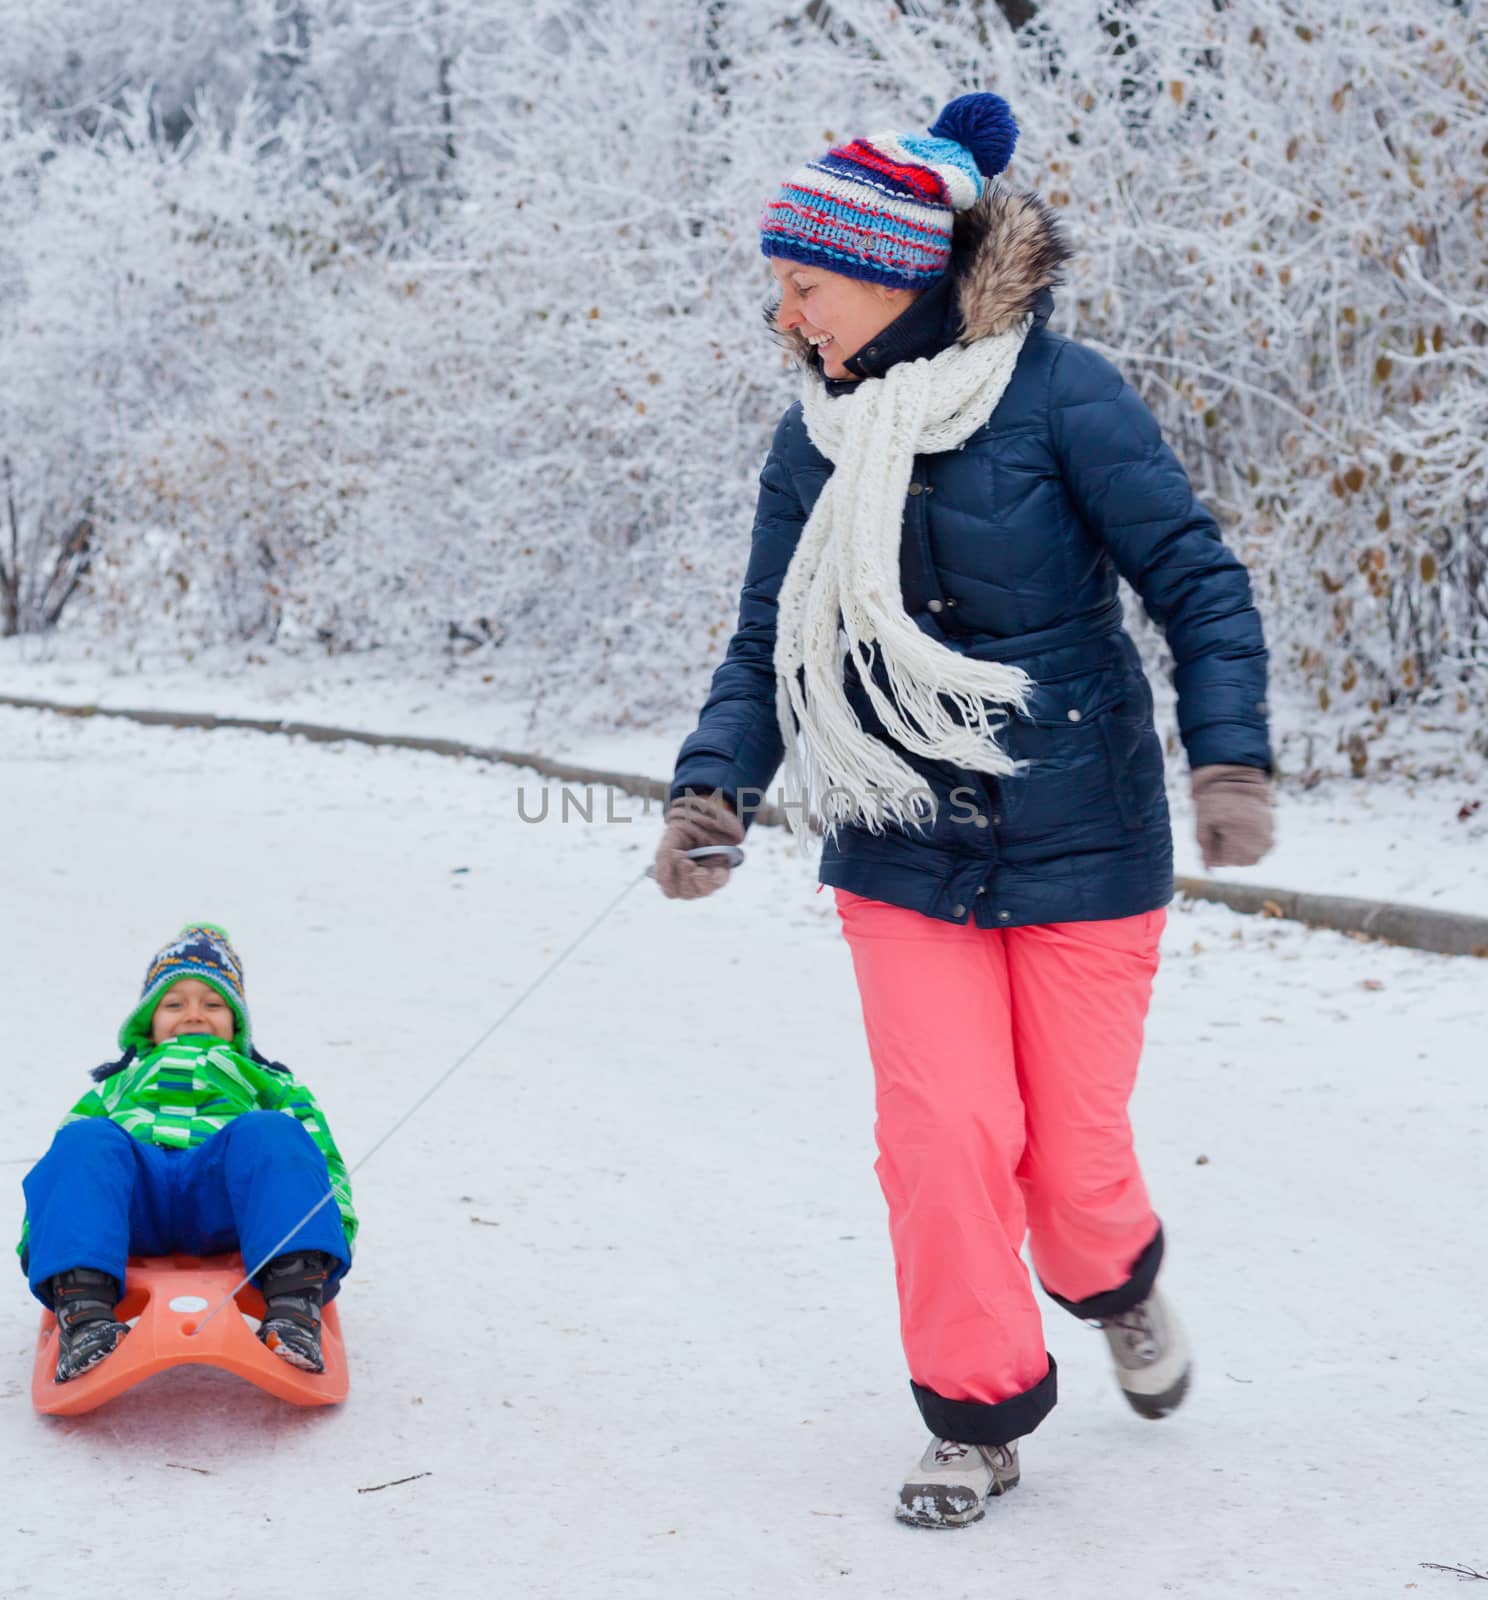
(1008, 249)
(1011, 249)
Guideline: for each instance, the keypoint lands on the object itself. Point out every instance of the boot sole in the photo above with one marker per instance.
(911, 1518)
(67, 1377)
(1157, 1406)
(295, 1358)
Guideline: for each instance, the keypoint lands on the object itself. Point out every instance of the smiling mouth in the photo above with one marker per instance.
(818, 341)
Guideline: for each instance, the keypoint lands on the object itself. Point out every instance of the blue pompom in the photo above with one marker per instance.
(982, 124)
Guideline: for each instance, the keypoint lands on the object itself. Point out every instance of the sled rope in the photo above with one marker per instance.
(422, 1100)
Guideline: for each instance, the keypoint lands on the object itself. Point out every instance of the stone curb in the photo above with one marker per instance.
(1418, 927)
(1449, 933)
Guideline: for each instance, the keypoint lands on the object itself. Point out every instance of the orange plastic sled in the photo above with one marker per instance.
(170, 1295)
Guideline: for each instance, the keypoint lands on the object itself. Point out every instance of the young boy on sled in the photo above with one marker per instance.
(191, 1142)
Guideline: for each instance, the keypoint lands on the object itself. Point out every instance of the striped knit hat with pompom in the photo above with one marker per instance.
(882, 208)
(203, 951)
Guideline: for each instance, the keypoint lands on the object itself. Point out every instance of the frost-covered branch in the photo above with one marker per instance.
(354, 321)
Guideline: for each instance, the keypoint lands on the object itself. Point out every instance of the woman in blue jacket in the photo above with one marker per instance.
(930, 638)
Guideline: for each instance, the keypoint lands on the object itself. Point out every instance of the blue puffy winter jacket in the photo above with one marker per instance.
(1013, 546)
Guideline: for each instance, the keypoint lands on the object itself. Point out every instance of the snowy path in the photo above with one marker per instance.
(1422, 840)
(663, 1362)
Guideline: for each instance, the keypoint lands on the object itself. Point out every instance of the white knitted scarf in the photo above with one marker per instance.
(842, 595)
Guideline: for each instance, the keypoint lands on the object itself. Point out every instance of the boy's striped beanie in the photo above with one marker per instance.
(203, 951)
(881, 208)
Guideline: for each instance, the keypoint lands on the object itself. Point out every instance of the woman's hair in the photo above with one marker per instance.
(968, 235)
(788, 340)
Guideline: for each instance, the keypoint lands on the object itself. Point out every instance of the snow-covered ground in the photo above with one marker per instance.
(1416, 832)
(624, 1292)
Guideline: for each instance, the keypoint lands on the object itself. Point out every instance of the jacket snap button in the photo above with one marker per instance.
(996, 819)
(1074, 714)
(950, 602)
(980, 821)
(915, 488)
(958, 911)
(935, 605)
(1002, 916)
(983, 889)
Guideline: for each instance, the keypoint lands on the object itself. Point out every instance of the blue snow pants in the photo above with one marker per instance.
(99, 1196)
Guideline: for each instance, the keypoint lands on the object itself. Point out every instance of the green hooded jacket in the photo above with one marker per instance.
(181, 1092)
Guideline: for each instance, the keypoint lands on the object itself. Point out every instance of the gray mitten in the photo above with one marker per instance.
(693, 820)
(1232, 814)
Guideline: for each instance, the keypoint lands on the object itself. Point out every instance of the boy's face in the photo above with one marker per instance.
(191, 1006)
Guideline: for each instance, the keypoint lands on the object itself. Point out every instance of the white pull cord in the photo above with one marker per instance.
(734, 857)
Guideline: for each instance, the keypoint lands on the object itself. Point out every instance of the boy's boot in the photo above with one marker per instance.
(294, 1291)
(953, 1483)
(83, 1302)
(1153, 1365)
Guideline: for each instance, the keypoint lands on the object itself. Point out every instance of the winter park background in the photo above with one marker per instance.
(398, 364)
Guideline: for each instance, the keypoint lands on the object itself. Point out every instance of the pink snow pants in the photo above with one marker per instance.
(1003, 1061)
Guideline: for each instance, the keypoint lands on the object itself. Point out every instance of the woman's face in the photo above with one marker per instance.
(838, 315)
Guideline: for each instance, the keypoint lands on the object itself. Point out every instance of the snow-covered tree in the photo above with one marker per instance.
(402, 321)
(1281, 213)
